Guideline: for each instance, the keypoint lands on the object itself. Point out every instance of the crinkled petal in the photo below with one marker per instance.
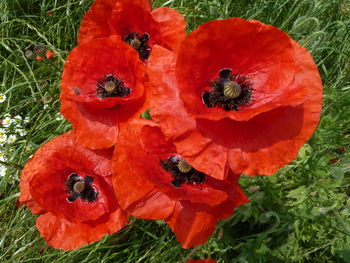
(63, 234)
(166, 107)
(25, 197)
(290, 127)
(129, 17)
(191, 144)
(191, 227)
(156, 206)
(95, 21)
(172, 25)
(194, 223)
(135, 194)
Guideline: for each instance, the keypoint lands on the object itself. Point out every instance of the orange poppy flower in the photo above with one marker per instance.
(152, 181)
(70, 187)
(49, 54)
(102, 89)
(135, 23)
(247, 96)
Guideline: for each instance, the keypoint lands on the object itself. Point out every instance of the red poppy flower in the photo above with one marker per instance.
(70, 187)
(247, 96)
(135, 23)
(49, 54)
(152, 181)
(201, 261)
(103, 85)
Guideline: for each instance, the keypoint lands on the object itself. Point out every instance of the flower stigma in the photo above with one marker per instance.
(182, 172)
(111, 86)
(229, 91)
(139, 43)
(78, 187)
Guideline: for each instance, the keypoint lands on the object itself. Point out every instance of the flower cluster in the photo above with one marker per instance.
(11, 128)
(232, 97)
(3, 168)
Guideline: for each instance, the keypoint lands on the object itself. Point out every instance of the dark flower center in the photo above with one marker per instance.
(111, 86)
(140, 43)
(182, 172)
(78, 187)
(228, 91)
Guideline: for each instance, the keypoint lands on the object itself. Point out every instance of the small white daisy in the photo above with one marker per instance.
(3, 138)
(17, 118)
(3, 170)
(26, 120)
(2, 97)
(59, 117)
(7, 122)
(12, 138)
(2, 156)
(21, 132)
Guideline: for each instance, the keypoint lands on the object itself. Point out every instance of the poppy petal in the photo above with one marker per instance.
(191, 227)
(129, 17)
(25, 197)
(165, 98)
(294, 124)
(165, 103)
(155, 206)
(95, 21)
(172, 25)
(63, 234)
(143, 202)
(194, 223)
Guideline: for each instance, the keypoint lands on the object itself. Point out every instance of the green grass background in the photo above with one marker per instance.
(300, 214)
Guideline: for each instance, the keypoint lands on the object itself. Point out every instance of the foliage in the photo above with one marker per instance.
(300, 214)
